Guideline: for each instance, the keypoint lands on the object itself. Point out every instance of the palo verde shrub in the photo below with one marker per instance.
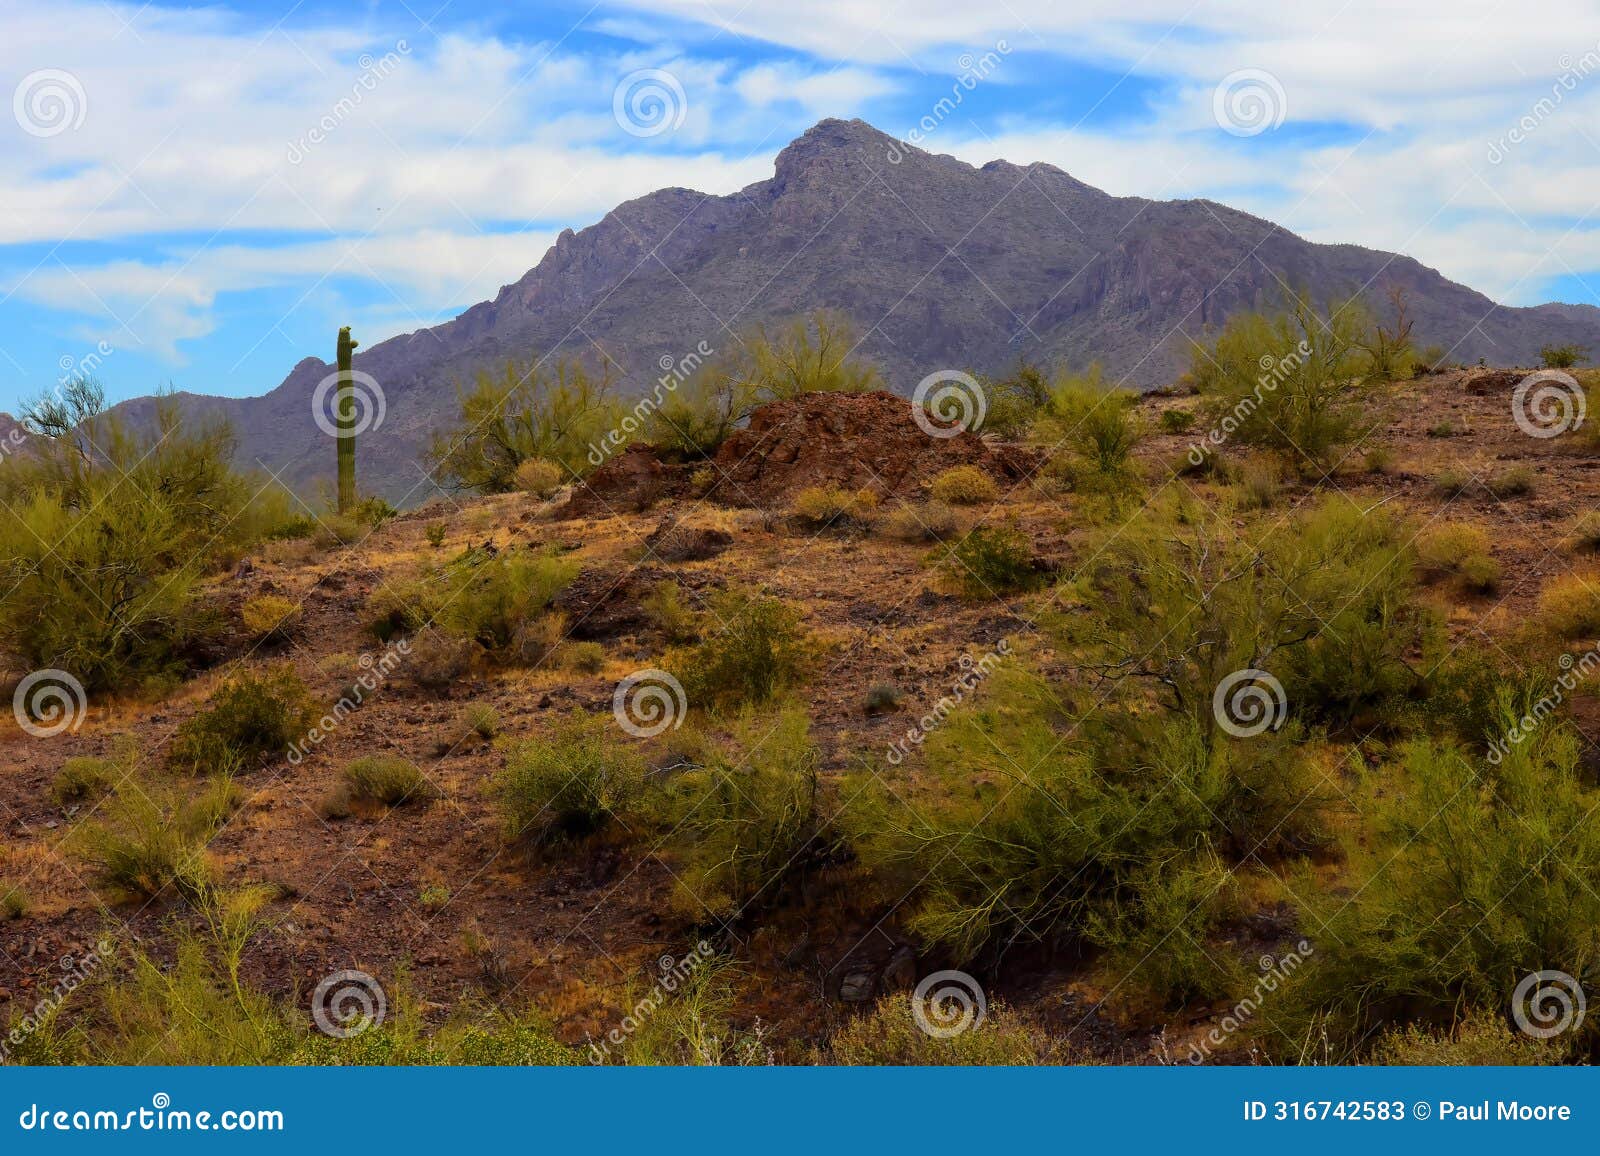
(990, 561)
(152, 835)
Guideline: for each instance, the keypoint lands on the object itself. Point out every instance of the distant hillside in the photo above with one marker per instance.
(941, 265)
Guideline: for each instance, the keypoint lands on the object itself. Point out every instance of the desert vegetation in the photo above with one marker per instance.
(1101, 704)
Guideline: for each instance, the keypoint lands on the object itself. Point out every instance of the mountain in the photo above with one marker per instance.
(941, 265)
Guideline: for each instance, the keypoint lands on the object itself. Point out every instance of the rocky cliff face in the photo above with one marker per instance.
(940, 264)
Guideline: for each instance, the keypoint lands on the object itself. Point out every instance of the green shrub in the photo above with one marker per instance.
(14, 902)
(745, 821)
(1476, 878)
(270, 616)
(1176, 421)
(481, 719)
(84, 779)
(386, 779)
(1569, 606)
(538, 477)
(150, 836)
(989, 561)
(754, 649)
(1563, 356)
(570, 784)
(818, 507)
(1293, 383)
(479, 596)
(250, 717)
(438, 660)
(583, 657)
(1584, 537)
(963, 486)
(1481, 1039)
(1452, 482)
(1513, 483)
(666, 610)
(1098, 426)
(526, 412)
(1260, 482)
(434, 533)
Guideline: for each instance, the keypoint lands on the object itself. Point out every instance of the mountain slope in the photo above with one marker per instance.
(940, 264)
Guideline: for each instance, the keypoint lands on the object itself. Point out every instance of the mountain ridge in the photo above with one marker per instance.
(940, 263)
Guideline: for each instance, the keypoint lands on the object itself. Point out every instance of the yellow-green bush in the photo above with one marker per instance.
(963, 486)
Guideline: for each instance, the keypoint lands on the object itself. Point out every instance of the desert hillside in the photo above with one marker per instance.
(769, 721)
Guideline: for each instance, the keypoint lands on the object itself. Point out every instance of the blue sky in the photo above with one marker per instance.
(199, 197)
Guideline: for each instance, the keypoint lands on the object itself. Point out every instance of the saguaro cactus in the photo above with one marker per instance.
(345, 420)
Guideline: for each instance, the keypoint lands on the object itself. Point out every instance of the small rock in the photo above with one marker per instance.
(857, 987)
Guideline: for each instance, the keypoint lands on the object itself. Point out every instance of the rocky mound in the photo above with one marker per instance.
(851, 440)
(855, 441)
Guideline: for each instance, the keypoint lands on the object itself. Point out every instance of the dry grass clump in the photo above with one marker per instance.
(270, 616)
(964, 486)
(1461, 551)
(1569, 607)
(819, 507)
(539, 477)
(929, 522)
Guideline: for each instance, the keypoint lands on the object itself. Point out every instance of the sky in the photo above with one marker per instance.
(197, 197)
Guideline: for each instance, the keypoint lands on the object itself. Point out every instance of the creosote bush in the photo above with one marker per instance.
(572, 783)
(753, 646)
(990, 561)
(250, 717)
